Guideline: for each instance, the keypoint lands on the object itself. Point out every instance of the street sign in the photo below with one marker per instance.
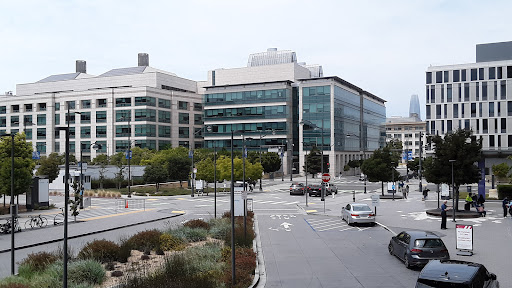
(464, 238)
(36, 155)
(326, 177)
(82, 165)
(375, 200)
(128, 154)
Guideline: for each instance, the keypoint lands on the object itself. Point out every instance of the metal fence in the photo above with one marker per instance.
(132, 204)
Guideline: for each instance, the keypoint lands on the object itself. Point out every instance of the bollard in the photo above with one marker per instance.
(126, 203)
(354, 196)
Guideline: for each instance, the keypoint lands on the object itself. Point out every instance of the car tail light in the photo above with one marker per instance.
(371, 214)
(444, 250)
(416, 250)
(354, 215)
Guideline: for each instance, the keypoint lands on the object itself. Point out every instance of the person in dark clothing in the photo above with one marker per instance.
(504, 205)
(444, 207)
(481, 200)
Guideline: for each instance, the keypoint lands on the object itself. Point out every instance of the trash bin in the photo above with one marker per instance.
(467, 206)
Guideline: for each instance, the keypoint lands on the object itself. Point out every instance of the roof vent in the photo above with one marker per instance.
(143, 59)
(81, 66)
(271, 49)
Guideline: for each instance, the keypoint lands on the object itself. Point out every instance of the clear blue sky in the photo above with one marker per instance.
(383, 47)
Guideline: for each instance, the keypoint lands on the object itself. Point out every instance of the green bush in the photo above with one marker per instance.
(219, 228)
(242, 238)
(197, 223)
(50, 278)
(170, 242)
(125, 250)
(86, 271)
(190, 234)
(504, 191)
(37, 262)
(14, 285)
(100, 250)
(145, 240)
(14, 282)
(245, 260)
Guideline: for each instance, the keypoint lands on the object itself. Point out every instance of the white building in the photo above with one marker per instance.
(142, 105)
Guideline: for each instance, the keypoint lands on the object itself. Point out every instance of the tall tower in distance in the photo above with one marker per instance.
(414, 107)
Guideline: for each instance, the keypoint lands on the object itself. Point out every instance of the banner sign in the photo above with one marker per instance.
(464, 235)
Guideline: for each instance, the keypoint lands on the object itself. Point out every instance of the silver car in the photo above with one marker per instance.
(358, 213)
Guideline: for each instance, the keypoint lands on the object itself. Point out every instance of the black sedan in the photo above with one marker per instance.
(316, 190)
(298, 189)
(416, 247)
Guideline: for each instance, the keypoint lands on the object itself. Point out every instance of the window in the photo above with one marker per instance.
(198, 132)
(85, 117)
(459, 90)
(504, 126)
(164, 131)
(183, 132)
(463, 75)
(449, 126)
(101, 131)
(15, 108)
(428, 111)
(41, 119)
(103, 145)
(456, 75)
(3, 110)
(491, 109)
(481, 74)
(57, 106)
(495, 90)
(72, 132)
(122, 131)
(198, 119)
(123, 102)
(71, 118)
(56, 134)
(429, 78)
(101, 103)
(198, 107)
(438, 111)
(3, 121)
(477, 126)
(509, 140)
(473, 74)
(439, 77)
(500, 72)
(446, 76)
(466, 91)
(442, 93)
(484, 91)
(86, 104)
(445, 110)
(466, 124)
(85, 146)
(145, 115)
(462, 110)
(473, 109)
(183, 105)
(15, 121)
(499, 108)
(145, 101)
(509, 71)
(101, 116)
(41, 133)
(433, 94)
(492, 72)
(28, 133)
(123, 115)
(485, 125)
(71, 104)
(164, 116)
(41, 147)
(183, 118)
(183, 144)
(426, 94)
(509, 108)
(455, 110)
(27, 120)
(85, 132)
(28, 107)
(503, 90)
(477, 86)
(449, 93)
(491, 140)
(41, 107)
(147, 130)
(162, 103)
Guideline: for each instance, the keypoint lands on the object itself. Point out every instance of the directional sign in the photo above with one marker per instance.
(36, 155)
(128, 154)
(326, 177)
(375, 200)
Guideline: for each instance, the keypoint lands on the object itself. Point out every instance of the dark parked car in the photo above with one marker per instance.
(298, 189)
(453, 273)
(416, 247)
(316, 190)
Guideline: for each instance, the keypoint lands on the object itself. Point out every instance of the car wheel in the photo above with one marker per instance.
(406, 261)
(390, 249)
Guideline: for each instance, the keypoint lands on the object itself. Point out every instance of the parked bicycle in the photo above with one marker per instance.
(59, 218)
(6, 227)
(36, 221)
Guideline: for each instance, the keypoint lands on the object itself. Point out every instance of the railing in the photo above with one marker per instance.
(133, 204)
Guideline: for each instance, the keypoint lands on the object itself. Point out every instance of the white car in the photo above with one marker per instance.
(358, 213)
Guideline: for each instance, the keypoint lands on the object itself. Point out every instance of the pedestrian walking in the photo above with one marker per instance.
(406, 191)
(425, 194)
(340, 175)
(504, 204)
(444, 207)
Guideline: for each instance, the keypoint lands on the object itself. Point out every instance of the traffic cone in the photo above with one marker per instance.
(126, 201)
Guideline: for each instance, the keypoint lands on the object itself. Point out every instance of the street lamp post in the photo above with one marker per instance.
(453, 191)
(233, 273)
(306, 177)
(12, 206)
(261, 137)
(128, 151)
(421, 156)
(66, 201)
(215, 178)
(393, 179)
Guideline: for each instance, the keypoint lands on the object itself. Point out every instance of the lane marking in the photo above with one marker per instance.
(114, 215)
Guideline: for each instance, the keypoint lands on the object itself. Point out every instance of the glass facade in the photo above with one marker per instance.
(258, 96)
(316, 106)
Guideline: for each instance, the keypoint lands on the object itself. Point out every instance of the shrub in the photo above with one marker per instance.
(197, 223)
(219, 228)
(241, 238)
(100, 250)
(50, 278)
(125, 250)
(227, 214)
(504, 191)
(14, 285)
(37, 262)
(88, 271)
(146, 240)
(190, 234)
(170, 242)
(245, 260)
(14, 282)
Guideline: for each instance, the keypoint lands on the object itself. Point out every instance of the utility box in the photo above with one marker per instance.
(39, 195)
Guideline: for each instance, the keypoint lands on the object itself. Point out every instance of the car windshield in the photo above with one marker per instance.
(426, 283)
(428, 243)
(362, 208)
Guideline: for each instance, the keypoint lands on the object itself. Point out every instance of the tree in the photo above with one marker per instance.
(354, 164)
(49, 166)
(314, 160)
(155, 173)
(271, 162)
(23, 165)
(461, 146)
(252, 171)
(414, 165)
(382, 164)
(102, 160)
(501, 170)
(118, 160)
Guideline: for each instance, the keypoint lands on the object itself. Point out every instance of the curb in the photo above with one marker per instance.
(89, 233)
(260, 277)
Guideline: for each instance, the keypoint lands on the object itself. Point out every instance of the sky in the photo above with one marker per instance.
(383, 47)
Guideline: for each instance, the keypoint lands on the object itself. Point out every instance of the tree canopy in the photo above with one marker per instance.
(382, 164)
(49, 166)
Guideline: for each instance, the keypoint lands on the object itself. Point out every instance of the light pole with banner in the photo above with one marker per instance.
(453, 191)
(325, 178)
